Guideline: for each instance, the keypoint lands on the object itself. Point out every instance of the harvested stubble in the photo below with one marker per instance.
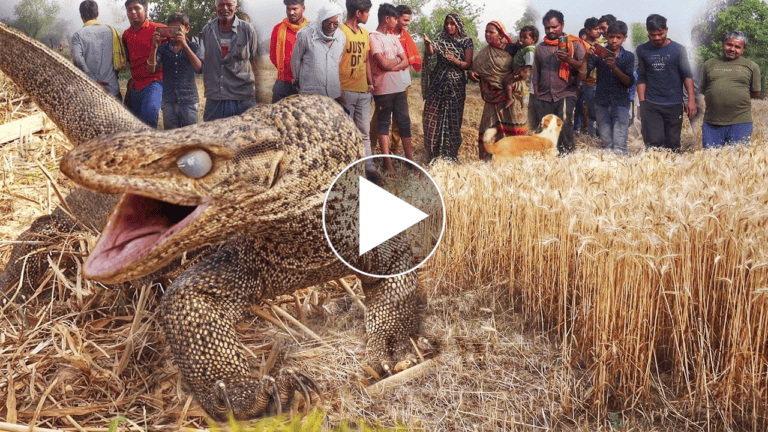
(80, 355)
(650, 272)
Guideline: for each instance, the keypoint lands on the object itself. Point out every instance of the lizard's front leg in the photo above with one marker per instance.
(199, 313)
(394, 305)
(393, 315)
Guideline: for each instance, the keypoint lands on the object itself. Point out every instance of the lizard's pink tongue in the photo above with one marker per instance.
(136, 226)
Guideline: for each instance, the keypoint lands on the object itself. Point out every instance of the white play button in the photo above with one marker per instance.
(383, 215)
(368, 219)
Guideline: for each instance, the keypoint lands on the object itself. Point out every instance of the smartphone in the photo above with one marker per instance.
(602, 51)
(168, 32)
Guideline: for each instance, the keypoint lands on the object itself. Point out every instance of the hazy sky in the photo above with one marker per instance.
(680, 14)
(267, 13)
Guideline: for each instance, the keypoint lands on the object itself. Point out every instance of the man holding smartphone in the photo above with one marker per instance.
(145, 90)
(556, 67)
(614, 78)
(180, 59)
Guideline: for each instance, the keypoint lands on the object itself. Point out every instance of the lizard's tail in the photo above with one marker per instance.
(78, 106)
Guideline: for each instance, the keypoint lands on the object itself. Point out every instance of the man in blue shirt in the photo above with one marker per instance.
(614, 78)
(663, 71)
(180, 60)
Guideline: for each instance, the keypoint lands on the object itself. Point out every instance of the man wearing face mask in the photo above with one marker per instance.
(229, 59)
(317, 54)
(281, 48)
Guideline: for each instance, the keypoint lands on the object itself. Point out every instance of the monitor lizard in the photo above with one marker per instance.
(253, 185)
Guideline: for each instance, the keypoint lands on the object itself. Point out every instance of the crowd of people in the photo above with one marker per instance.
(590, 81)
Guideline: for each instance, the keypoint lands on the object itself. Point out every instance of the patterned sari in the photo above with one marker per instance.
(444, 91)
(493, 64)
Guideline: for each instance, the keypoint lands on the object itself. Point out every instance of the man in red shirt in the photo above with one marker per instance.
(281, 48)
(145, 90)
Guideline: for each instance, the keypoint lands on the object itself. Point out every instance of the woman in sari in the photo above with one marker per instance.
(491, 65)
(444, 82)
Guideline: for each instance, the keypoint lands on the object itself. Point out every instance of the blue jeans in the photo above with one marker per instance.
(589, 102)
(145, 104)
(176, 115)
(219, 109)
(613, 126)
(713, 136)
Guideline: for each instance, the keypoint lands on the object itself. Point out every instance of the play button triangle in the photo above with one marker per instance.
(383, 215)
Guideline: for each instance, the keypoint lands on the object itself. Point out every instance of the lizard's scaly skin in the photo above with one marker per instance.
(261, 202)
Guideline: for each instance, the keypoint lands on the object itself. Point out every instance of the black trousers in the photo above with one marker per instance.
(661, 125)
(393, 104)
(564, 109)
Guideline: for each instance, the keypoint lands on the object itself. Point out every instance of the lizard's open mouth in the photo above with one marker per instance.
(136, 226)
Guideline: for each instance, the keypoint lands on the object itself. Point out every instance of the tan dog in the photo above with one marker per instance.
(512, 146)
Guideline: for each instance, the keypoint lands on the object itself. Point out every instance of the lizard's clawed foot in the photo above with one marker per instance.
(247, 398)
(396, 357)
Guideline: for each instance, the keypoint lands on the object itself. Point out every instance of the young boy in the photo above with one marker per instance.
(614, 78)
(388, 58)
(522, 63)
(180, 60)
(355, 76)
(145, 90)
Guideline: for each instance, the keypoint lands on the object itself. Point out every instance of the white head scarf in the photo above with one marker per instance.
(327, 11)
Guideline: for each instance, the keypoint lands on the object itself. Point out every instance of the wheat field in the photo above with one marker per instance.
(590, 292)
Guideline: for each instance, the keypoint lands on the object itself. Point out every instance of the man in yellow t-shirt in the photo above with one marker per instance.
(355, 75)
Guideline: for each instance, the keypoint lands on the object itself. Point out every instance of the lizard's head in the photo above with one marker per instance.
(259, 173)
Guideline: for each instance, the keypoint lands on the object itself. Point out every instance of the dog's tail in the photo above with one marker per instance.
(489, 140)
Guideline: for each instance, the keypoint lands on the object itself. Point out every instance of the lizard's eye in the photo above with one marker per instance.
(195, 163)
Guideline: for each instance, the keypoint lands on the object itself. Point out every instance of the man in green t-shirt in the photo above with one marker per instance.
(728, 84)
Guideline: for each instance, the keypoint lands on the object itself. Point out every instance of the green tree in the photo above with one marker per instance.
(56, 34)
(432, 25)
(748, 16)
(530, 17)
(33, 17)
(707, 21)
(418, 19)
(200, 12)
(639, 34)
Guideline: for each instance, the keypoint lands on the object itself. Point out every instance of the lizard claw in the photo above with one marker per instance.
(245, 398)
(293, 380)
(220, 391)
(275, 395)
